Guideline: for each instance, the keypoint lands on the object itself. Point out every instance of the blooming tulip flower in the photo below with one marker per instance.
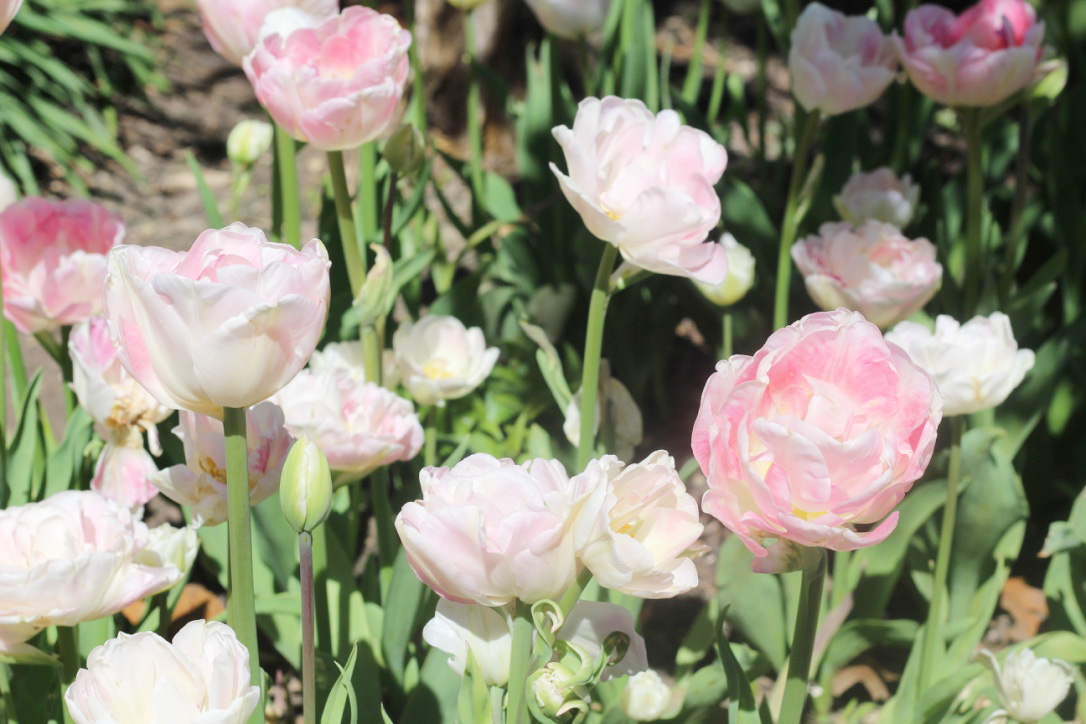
(825, 428)
(1030, 687)
(233, 26)
(647, 697)
(8, 8)
(77, 556)
(53, 256)
(226, 324)
(439, 359)
(337, 85)
(871, 269)
(975, 365)
(644, 183)
(201, 481)
(739, 279)
(978, 58)
(878, 195)
(637, 525)
(838, 62)
(571, 19)
(490, 531)
(202, 677)
(358, 425)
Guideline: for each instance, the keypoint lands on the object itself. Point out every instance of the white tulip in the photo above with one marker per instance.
(878, 195)
(740, 277)
(975, 365)
(439, 359)
(201, 678)
(1030, 687)
(647, 697)
(571, 19)
(486, 632)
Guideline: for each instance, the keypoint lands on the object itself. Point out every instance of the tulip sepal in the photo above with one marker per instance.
(560, 690)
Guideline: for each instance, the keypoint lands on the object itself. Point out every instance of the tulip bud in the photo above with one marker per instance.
(647, 697)
(375, 298)
(405, 150)
(557, 693)
(1030, 687)
(248, 142)
(740, 277)
(305, 492)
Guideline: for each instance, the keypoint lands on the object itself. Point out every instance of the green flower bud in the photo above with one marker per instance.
(375, 298)
(248, 142)
(405, 150)
(556, 693)
(305, 489)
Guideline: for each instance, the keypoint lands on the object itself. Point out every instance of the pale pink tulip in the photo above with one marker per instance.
(105, 390)
(637, 526)
(838, 62)
(8, 8)
(53, 256)
(490, 531)
(358, 425)
(337, 85)
(878, 195)
(439, 359)
(77, 556)
(644, 182)
(124, 470)
(233, 26)
(202, 677)
(571, 19)
(978, 58)
(201, 481)
(226, 324)
(872, 269)
(824, 429)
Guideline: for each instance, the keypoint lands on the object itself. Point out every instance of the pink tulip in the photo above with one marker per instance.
(226, 324)
(878, 195)
(201, 481)
(337, 85)
(838, 62)
(233, 26)
(124, 470)
(644, 183)
(53, 256)
(77, 556)
(8, 8)
(978, 58)
(825, 428)
(359, 426)
(490, 531)
(871, 269)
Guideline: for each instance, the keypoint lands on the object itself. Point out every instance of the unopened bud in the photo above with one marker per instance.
(556, 692)
(248, 142)
(740, 276)
(375, 298)
(405, 149)
(305, 489)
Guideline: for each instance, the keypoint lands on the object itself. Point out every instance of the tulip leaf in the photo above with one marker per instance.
(66, 464)
(23, 466)
(435, 697)
(407, 596)
(342, 694)
(755, 601)
(207, 196)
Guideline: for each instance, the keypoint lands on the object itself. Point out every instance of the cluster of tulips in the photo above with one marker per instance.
(807, 446)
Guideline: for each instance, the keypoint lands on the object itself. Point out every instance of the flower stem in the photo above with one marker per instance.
(348, 235)
(15, 356)
(803, 638)
(240, 607)
(792, 217)
(309, 682)
(475, 129)
(1015, 230)
(726, 343)
(593, 346)
(68, 643)
(573, 593)
(520, 661)
(974, 218)
(933, 630)
(692, 84)
(386, 528)
(288, 187)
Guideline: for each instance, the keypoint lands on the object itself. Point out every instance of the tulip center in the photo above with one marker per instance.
(806, 515)
(437, 369)
(212, 468)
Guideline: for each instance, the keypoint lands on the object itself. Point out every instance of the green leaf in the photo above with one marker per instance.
(755, 601)
(406, 595)
(23, 475)
(62, 471)
(435, 697)
(207, 196)
(342, 694)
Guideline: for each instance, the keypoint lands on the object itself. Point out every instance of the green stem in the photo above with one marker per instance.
(932, 644)
(520, 661)
(1016, 229)
(726, 344)
(692, 84)
(792, 218)
(352, 251)
(593, 346)
(59, 353)
(573, 593)
(240, 603)
(803, 638)
(68, 643)
(285, 156)
(386, 527)
(366, 214)
(309, 669)
(973, 211)
(475, 129)
(15, 356)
